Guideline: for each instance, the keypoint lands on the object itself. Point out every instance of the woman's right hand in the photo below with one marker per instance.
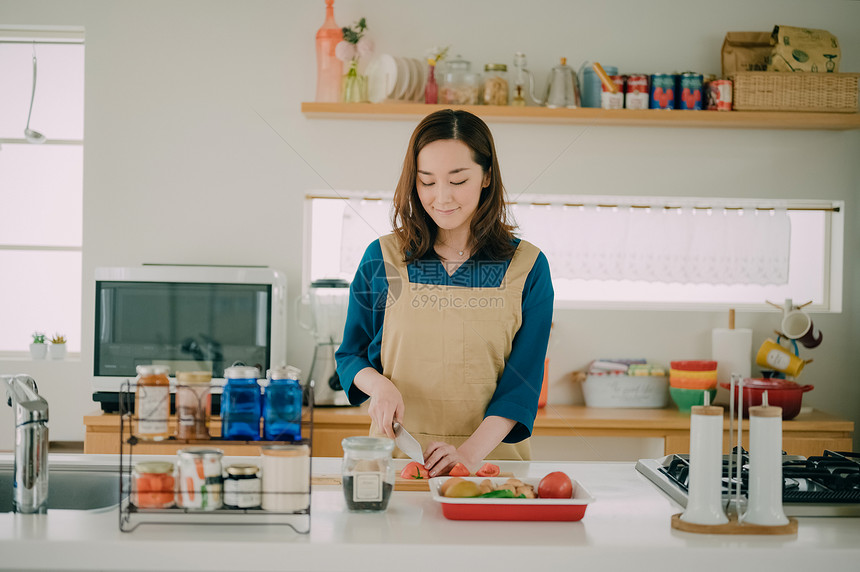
(386, 402)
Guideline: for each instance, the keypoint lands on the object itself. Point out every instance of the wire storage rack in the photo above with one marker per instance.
(285, 503)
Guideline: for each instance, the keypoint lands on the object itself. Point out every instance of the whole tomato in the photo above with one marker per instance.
(555, 485)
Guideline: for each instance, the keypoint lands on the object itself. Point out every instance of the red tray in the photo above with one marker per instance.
(571, 509)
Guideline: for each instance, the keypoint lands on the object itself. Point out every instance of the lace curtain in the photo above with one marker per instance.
(718, 245)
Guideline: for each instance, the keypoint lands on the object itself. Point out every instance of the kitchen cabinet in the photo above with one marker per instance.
(592, 116)
(810, 433)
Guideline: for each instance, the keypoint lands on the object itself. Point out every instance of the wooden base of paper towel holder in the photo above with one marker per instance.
(734, 527)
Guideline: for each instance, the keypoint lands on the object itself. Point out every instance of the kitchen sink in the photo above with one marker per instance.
(70, 488)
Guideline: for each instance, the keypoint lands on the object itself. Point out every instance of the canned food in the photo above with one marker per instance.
(690, 91)
(153, 485)
(720, 95)
(200, 479)
(242, 487)
(609, 100)
(636, 93)
(662, 94)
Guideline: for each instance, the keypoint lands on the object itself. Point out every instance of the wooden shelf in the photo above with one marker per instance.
(591, 116)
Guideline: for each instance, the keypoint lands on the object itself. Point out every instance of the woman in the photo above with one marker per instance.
(449, 316)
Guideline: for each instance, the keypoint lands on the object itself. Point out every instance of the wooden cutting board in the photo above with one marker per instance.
(399, 484)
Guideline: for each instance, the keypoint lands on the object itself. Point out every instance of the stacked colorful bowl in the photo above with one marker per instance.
(689, 380)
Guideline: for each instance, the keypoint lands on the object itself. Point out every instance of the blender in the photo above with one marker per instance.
(327, 300)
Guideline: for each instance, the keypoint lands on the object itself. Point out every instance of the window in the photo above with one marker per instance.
(740, 252)
(41, 186)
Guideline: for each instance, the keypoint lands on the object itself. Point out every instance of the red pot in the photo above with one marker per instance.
(781, 393)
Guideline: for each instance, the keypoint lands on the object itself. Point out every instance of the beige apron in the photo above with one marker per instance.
(445, 347)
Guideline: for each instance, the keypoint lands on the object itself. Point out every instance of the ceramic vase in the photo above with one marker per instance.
(38, 351)
(57, 351)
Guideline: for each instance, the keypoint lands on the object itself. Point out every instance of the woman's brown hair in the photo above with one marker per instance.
(491, 230)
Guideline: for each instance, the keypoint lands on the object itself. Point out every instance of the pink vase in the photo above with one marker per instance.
(329, 68)
(431, 90)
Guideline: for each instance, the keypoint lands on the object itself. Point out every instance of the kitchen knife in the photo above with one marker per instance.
(407, 443)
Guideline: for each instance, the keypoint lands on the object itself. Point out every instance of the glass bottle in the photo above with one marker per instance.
(431, 89)
(152, 402)
(368, 477)
(241, 404)
(282, 405)
(518, 98)
(153, 484)
(193, 404)
(329, 68)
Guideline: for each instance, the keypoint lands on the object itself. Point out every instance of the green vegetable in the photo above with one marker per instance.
(499, 494)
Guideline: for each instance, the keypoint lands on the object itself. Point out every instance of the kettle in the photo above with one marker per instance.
(562, 89)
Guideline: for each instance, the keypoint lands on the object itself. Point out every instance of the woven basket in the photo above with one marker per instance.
(798, 91)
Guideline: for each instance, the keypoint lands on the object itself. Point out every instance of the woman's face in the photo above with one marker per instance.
(449, 183)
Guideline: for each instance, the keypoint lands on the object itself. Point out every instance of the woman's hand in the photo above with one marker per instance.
(386, 402)
(440, 458)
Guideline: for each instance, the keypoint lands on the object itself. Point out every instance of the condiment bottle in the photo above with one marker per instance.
(282, 405)
(368, 477)
(152, 401)
(193, 404)
(495, 84)
(242, 487)
(241, 404)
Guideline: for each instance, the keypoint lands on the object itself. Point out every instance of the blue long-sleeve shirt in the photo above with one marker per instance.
(518, 388)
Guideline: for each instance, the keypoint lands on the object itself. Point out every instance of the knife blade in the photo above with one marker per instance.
(407, 443)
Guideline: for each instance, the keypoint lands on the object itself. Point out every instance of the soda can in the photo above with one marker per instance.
(200, 479)
(609, 100)
(690, 91)
(636, 94)
(720, 95)
(662, 94)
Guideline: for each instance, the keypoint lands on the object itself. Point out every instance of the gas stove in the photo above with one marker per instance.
(828, 485)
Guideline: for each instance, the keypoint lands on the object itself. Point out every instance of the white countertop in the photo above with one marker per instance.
(628, 525)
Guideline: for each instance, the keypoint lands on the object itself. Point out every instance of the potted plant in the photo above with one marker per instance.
(38, 349)
(57, 349)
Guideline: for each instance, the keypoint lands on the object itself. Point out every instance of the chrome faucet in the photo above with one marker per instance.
(30, 484)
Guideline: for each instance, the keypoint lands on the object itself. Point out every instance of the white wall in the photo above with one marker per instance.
(196, 150)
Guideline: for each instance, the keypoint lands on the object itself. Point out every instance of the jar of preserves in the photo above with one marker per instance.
(242, 487)
(193, 404)
(153, 485)
(241, 404)
(495, 91)
(460, 85)
(368, 477)
(282, 405)
(152, 402)
(201, 480)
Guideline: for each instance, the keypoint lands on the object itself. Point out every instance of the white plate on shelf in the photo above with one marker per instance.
(421, 75)
(404, 78)
(382, 76)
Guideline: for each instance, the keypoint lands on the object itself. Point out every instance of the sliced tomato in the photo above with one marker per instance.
(459, 470)
(488, 470)
(414, 470)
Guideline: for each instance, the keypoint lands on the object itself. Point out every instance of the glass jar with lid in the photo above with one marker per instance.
(495, 87)
(152, 402)
(153, 485)
(241, 404)
(242, 486)
(368, 476)
(193, 404)
(460, 85)
(282, 405)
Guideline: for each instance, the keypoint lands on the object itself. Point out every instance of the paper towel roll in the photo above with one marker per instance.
(732, 350)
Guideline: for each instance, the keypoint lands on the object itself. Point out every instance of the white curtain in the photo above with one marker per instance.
(684, 245)
(687, 245)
